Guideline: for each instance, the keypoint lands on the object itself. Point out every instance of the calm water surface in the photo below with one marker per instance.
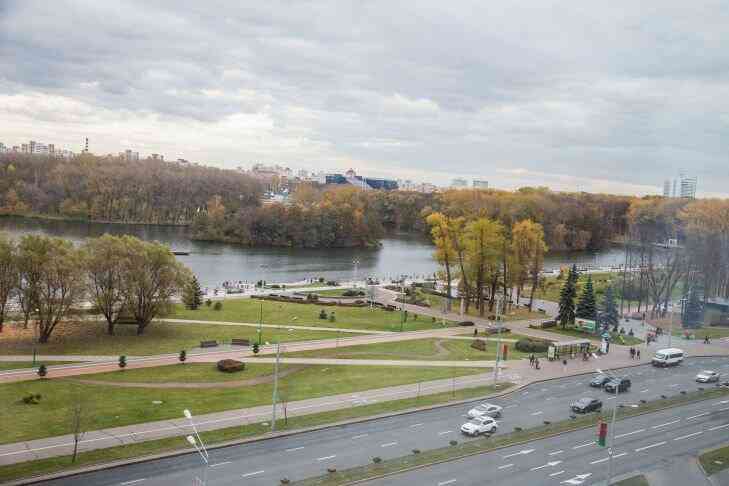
(214, 263)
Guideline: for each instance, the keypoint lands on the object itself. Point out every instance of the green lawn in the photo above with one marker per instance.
(90, 338)
(248, 310)
(701, 333)
(45, 466)
(110, 406)
(514, 314)
(417, 349)
(616, 337)
(715, 461)
(19, 365)
(639, 480)
(339, 292)
(184, 373)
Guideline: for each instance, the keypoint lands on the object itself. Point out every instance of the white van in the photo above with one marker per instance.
(668, 357)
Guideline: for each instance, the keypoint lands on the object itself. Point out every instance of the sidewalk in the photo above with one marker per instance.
(518, 372)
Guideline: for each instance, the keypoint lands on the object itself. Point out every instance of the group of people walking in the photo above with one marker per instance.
(634, 353)
(533, 361)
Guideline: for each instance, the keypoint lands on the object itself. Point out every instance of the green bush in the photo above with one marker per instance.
(323, 314)
(529, 345)
(42, 371)
(218, 306)
(32, 399)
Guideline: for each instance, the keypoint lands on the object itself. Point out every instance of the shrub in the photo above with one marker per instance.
(32, 399)
(230, 365)
(42, 371)
(218, 306)
(208, 302)
(275, 286)
(323, 314)
(416, 451)
(312, 297)
(352, 293)
(479, 344)
(321, 279)
(256, 348)
(183, 356)
(465, 323)
(453, 442)
(377, 459)
(122, 362)
(331, 317)
(285, 480)
(532, 345)
(331, 469)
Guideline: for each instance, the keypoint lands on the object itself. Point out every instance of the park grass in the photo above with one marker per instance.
(339, 293)
(432, 349)
(638, 480)
(616, 336)
(187, 373)
(294, 314)
(715, 461)
(89, 338)
(113, 406)
(100, 456)
(20, 365)
(702, 332)
(514, 314)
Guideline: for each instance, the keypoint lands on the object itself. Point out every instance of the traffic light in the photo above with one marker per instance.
(602, 434)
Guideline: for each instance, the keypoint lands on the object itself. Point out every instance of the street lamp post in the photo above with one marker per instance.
(274, 398)
(611, 447)
(498, 341)
(35, 336)
(355, 262)
(402, 303)
(202, 450)
(260, 324)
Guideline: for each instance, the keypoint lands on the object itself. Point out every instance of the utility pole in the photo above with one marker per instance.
(611, 449)
(260, 324)
(625, 269)
(275, 387)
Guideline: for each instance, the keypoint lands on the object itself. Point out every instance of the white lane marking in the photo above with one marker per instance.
(579, 479)
(619, 455)
(650, 446)
(556, 473)
(630, 433)
(689, 435)
(443, 483)
(675, 385)
(556, 452)
(505, 466)
(583, 445)
(416, 425)
(135, 481)
(326, 457)
(549, 464)
(445, 432)
(254, 473)
(696, 416)
(511, 406)
(723, 402)
(520, 453)
(294, 449)
(719, 427)
(667, 423)
(644, 391)
(389, 444)
(600, 460)
(537, 413)
(610, 398)
(359, 436)
(220, 464)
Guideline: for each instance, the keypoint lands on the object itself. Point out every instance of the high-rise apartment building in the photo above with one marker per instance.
(459, 183)
(480, 184)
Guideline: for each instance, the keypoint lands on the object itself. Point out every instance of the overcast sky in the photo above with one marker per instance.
(596, 96)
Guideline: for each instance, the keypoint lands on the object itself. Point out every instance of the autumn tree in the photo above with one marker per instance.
(152, 276)
(528, 248)
(105, 263)
(484, 242)
(445, 254)
(8, 275)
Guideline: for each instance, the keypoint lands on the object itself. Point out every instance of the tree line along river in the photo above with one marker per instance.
(214, 263)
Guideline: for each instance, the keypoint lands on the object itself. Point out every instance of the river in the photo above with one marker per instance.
(215, 263)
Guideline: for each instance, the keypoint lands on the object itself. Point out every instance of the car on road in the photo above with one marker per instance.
(586, 405)
(485, 410)
(707, 376)
(599, 381)
(480, 425)
(619, 384)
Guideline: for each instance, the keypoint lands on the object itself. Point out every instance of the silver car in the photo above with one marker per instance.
(707, 376)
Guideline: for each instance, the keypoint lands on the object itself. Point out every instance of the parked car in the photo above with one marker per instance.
(621, 384)
(668, 357)
(586, 405)
(599, 381)
(707, 376)
(480, 425)
(485, 410)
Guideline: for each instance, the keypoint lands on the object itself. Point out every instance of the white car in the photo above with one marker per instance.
(707, 376)
(480, 425)
(485, 410)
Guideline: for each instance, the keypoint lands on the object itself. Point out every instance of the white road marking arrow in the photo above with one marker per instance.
(579, 479)
(522, 452)
(549, 464)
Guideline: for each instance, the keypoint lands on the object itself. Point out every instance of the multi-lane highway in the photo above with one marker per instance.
(309, 454)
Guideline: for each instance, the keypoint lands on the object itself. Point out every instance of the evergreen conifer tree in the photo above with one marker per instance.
(567, 300)
(587, 307)
(192, 294)
(610, 315)
(693, 313)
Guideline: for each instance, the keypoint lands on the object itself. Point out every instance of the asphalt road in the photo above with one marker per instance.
(308, 454)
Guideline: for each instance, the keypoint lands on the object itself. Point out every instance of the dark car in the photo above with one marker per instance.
(622, 385)
(586, 405)
(599, 381)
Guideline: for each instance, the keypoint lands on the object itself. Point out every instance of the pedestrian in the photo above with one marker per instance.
(632, 353)
(637, 353)
(536, 363)
(475, 332)
(531, 359)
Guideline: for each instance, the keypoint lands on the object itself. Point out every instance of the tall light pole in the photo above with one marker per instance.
(203, 451)
(35, 336)
(355, 262)
(200, 451)
(260, 324)
(274, 398)
(498, 341)
(402, 303)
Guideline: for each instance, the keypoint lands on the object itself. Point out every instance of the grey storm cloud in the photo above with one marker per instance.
(617, 94)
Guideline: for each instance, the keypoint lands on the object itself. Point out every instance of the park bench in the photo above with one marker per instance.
(208, 344)
(240, 342)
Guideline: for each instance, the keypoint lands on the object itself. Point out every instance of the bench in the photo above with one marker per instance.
(208, 344)
(240, 342)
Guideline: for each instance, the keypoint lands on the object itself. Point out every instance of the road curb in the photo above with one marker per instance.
(164, 455)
